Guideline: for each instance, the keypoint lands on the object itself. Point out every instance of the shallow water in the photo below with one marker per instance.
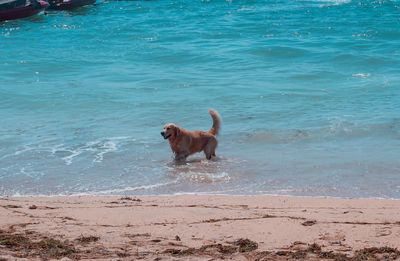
(308, 92)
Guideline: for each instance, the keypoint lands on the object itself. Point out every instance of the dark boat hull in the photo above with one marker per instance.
(68, 4)
(22, 12)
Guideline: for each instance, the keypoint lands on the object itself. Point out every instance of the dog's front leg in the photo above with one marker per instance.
(181, 156)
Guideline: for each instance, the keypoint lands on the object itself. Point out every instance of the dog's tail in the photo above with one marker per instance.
(216, 122)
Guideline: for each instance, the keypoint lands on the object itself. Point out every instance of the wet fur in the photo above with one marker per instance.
(184, 143)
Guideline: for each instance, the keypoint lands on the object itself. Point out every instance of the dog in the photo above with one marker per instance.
(184, 143)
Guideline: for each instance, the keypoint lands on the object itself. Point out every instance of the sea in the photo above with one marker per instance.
(308, 92)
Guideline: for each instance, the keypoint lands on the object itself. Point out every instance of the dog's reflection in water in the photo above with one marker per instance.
(198, 170)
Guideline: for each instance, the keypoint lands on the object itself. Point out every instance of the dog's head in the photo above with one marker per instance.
(170, 130)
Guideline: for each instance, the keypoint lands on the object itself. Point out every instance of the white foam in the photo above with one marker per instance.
(125, 189)
(108, 146)
(328, 2)
(362, 75)
(68, 159)
(26, 148)
(35, 175)
(100, 147)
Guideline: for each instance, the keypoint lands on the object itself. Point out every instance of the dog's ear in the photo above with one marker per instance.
(176, 130)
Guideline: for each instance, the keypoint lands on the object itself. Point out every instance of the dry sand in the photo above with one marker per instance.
(198, 227)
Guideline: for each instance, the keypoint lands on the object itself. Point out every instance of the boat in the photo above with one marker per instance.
(16, 9)
(68, 4)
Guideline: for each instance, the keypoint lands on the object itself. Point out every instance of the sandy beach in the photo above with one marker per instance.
(198, 227)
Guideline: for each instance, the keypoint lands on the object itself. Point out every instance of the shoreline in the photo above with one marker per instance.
(198, 227)
(189, 194)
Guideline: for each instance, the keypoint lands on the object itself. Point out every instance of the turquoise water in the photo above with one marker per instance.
(308, 92)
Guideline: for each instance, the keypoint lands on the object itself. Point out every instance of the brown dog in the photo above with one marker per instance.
(184, 143)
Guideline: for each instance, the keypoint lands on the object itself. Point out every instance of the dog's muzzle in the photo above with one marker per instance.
(165, 137)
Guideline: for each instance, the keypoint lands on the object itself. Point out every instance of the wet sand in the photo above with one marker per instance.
(198, 227)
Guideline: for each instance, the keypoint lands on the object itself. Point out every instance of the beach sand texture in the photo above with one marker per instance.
(198, 227)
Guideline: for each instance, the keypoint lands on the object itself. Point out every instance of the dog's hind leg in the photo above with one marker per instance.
(213, 152)
(214, 147)
(209, 149)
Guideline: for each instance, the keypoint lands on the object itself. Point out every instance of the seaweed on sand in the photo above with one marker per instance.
(87, 239)
(45, 248)
(241, 245)
(245, 245)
